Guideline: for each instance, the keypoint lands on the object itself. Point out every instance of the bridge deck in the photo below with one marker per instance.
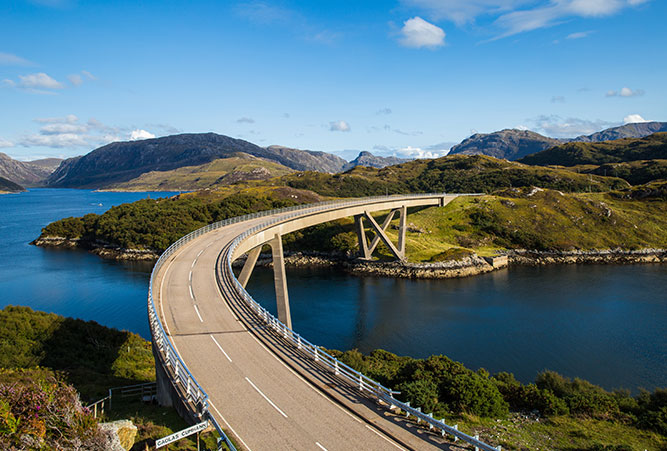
(262, 400)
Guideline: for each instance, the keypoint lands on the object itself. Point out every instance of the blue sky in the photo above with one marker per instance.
(403, 77)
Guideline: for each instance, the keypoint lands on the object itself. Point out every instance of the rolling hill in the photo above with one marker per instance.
(27, 173)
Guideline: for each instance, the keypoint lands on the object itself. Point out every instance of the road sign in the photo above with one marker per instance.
(181, 434)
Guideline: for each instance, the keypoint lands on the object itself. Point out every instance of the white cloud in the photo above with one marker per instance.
(625, 92)
(8, 59)
(5, 143)
(579, 35)
(88, 75)
(59, 129)
(78, 79)
(517, 16)
(464, 11)
(339, 126)
(138, 134)
(633, 119)
(69, 119)
(75, 79)
(245, 120)
(57, 141)
(418, 33)
(39, 80)
(571, 127)
(418, 152)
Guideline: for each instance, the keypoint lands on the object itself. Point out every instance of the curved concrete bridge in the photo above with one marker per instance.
(221, 356)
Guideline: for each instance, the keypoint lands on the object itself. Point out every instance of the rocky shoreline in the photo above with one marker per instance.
(466, 267)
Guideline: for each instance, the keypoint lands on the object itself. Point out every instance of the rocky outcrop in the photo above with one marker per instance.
(635, 130)
(510, 144)
(121, 433)
(612, 256)
(369, 160)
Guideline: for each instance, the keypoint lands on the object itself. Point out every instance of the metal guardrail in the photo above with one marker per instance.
(196, 394)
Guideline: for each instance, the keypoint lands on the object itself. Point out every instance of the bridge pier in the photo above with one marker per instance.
(249, 265)
(365, 250)
(280, 280)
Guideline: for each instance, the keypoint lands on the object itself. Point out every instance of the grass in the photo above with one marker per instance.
(567, 433)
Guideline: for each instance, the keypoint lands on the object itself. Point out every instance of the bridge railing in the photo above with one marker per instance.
(196, 395)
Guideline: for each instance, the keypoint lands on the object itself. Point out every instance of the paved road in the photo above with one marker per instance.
(264, 402)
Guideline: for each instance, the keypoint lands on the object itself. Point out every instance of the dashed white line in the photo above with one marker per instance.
(229, 425)
(200, 252)
(197, 310)
(193, 263)
(266, 397)
(385, 438)
(320, 446)
(190, 276)
(219, 347)
(192, 296)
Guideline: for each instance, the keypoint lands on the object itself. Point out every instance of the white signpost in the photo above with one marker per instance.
(181, 434)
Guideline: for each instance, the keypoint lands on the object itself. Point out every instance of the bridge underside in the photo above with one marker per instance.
(365, 252)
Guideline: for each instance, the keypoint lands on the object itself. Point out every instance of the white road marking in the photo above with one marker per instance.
(266, 397)
(200, 252)
(193, 263)
(219, 347)
(320, 446)
(382, 436)
(197, 310)
(190, 276)
(210, 403)
(272, 354)
(192, 296)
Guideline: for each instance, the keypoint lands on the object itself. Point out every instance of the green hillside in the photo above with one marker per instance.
(618, 151)
(223, 171)
(455, 174)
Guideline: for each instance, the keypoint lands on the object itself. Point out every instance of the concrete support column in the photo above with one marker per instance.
(385, 239)
(364, 251)
(401, 229)
(280, 280)
(249, 265)
(385, 225)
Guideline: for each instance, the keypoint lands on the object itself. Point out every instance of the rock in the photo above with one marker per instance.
(123, 433)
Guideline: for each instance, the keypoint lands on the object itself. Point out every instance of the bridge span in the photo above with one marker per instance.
(221, 356)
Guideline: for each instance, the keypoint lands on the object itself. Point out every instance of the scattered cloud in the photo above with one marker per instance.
(38, 83)
(39, 80)
(263, 13)
(139, 134)
(517, 16)
(625, 92)
(88, 75)
(412, 133)
(245, 120)
(578, 35)
(9, 59)
(75, 79)
(557, 127)
(558, 99)
(69, 132)
(633, 119)
(418, 33)
(69, 119)
(418, 152)
(4, 143)
(339, 126)
(383, 111)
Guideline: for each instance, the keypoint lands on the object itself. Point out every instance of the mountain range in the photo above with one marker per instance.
(513, 144)
(121, 164)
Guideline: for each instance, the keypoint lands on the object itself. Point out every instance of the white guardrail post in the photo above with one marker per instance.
(187, 381)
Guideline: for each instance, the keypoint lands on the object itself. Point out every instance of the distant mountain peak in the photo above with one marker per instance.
(367, 159)
(509, 144)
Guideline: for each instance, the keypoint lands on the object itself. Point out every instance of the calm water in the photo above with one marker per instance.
(603, 323)
(607, 324)
(70, 283)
